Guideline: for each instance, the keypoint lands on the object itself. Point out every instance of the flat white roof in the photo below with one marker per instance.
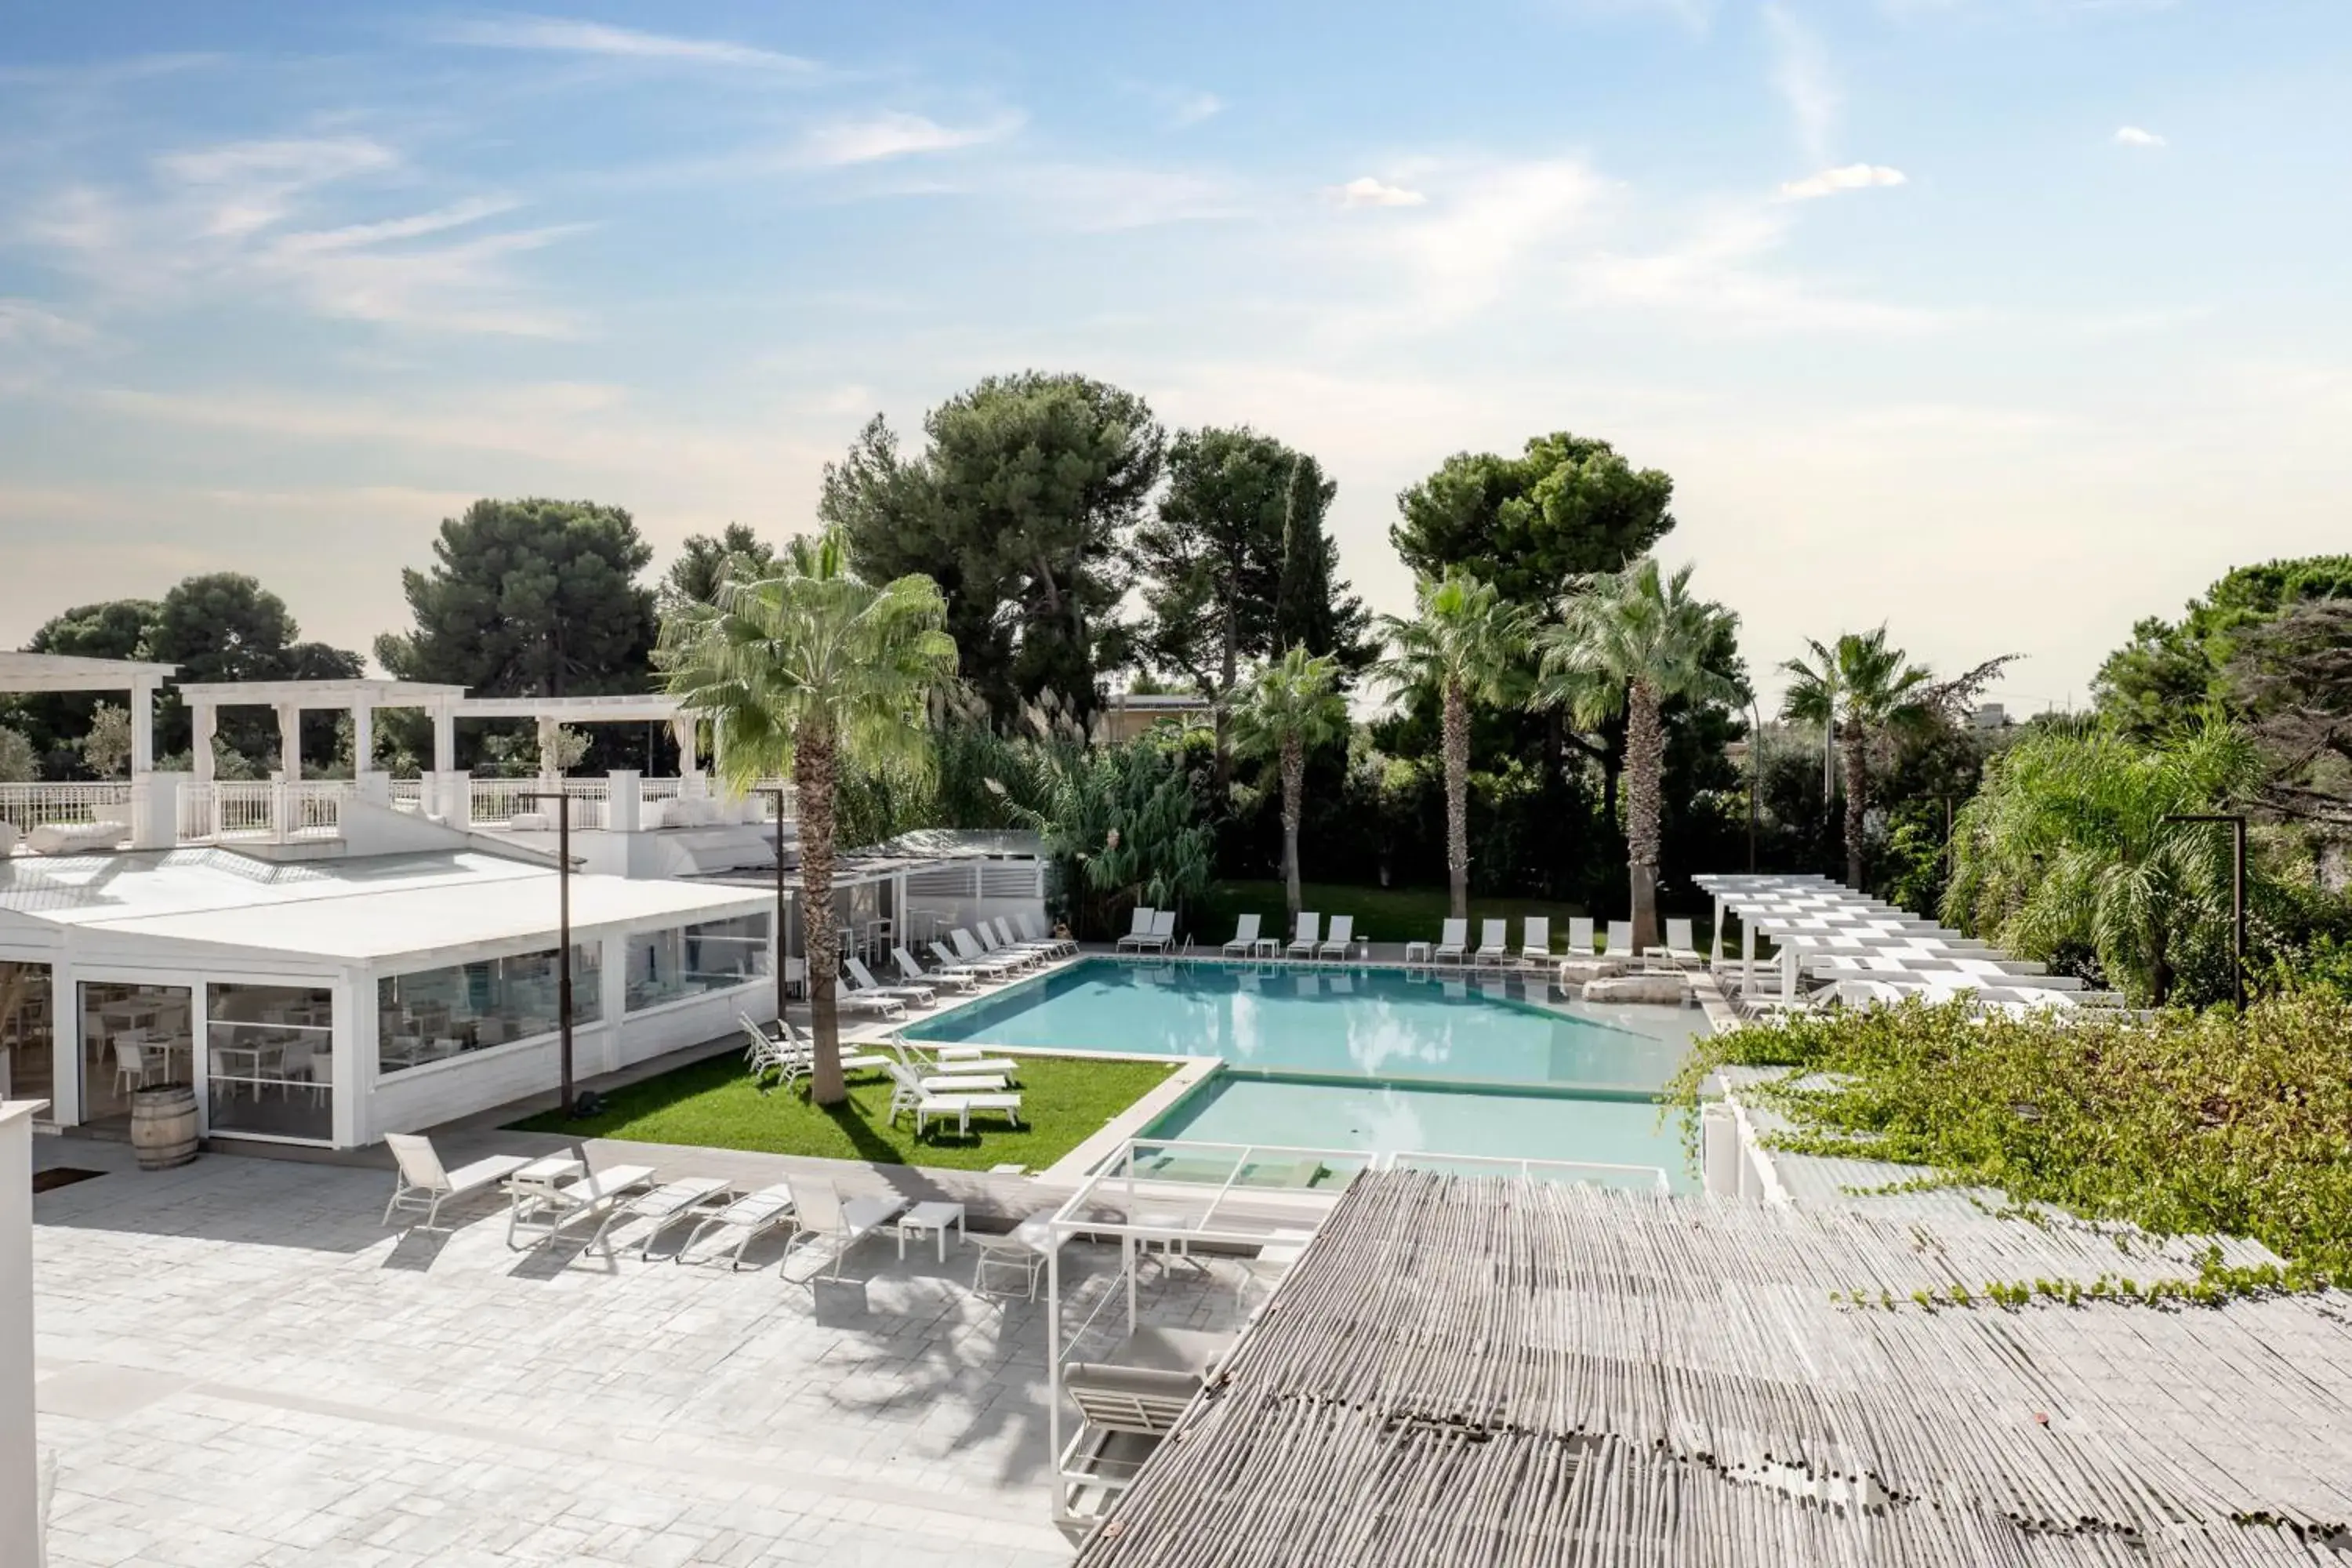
(71, 672)
(338, 912)
(319, 693)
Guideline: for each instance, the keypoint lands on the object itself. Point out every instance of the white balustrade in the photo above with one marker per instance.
(27, 807)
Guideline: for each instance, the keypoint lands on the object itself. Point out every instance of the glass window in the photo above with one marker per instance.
(25, 1030)
(132, 1038)
(687, 961)
(271, 1060)
(440, 1013)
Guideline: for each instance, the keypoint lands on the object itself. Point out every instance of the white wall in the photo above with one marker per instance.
(20, 1504)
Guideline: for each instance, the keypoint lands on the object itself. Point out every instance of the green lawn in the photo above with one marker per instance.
(1064, 1101)
(1383, 914)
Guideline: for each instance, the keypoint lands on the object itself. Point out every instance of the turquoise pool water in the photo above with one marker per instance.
(1382, 1024)
(1389, 1117)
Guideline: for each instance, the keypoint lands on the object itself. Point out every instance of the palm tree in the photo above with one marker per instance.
(800, 670)
(1463, 645)
(2068, 844)
(1875, 694)
(1626, 643)
(1289, 706)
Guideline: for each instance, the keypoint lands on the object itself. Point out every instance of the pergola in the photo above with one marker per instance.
(27, 673)
(622, 708)
(292, 698)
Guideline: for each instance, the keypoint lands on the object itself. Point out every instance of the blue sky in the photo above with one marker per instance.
(2003, 321)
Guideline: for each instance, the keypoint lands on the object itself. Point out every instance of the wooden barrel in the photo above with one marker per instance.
(163, 1126)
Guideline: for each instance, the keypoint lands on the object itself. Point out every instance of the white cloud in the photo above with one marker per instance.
(1367, 192)
(1801, 75)
(557, 35)
(1848, 177)
(1191, 107)
(878, 137)
(24, 322)
(2133, 136)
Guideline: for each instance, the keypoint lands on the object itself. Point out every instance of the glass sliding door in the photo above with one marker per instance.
(133, 1036)
(270, 1060)
(28, 1027)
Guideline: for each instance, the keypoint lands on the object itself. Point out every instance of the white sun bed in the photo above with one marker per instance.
(542, 1210)
(1454, 939)
(1162, 932)
(1245, 939)
(420, 1182)
(862, 983)
(1035, 930)
(1535, 944)
(1494, 943)
(822, 1213)
(915, 975)
(1621, 941)
(977, 964)
(909, 1093)
(1580, 937)
(1309, 936)
(1140, 931)
(665, 1205)
(744, 1221)
(1339, 939)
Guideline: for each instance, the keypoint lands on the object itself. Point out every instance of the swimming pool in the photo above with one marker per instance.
(1384, 1024)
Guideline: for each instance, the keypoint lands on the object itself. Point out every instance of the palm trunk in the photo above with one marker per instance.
(1857, 800)
(814, 774)
(1458, 796)
(1294, 787)
(1645, 747)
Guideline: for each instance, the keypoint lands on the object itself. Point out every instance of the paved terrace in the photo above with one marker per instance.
(239, 1365)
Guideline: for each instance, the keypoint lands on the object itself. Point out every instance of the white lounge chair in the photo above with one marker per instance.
(952, 1060)
(1129, 1406)
(869, 1002)
(1621, 941)
(1580, 937)
(1308, 938)
(974, 1080)
(862, 983)
(791, 1056)
(1162, 932)
(1012, 941)
(821, 1212)
(908, 1093)
(1021, 1251)
(915, 973)
(1035, 930)
(1140, 931)
(1494, 943)
(974, 951)
(1339, 939)
(1454, 939)
(543, 1210)
(665, 1205)
(1681, 946)
(744, 1221)
(1245, 936)
(979, 963)
(1535, 945)
(420, 1182)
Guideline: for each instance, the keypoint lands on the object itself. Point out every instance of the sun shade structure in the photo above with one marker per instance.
(1475, 1372)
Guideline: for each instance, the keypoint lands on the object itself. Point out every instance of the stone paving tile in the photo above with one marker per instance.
(248, 1372)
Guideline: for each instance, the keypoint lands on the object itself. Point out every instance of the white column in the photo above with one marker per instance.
(65, 1043)
(613, 991)
(20, 1474)
(206, 720)
(142, 728)
(290, 741)
(625, 812)
(456, 789)
(363, 737)
(354, 1042)
(689, 760)
(444, 740)
(550, 737)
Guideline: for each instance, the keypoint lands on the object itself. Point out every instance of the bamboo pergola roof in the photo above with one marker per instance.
(1467, 1371)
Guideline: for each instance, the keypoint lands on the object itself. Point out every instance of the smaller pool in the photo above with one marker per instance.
(1381, 1116)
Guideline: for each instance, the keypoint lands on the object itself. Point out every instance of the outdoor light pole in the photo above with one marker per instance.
(563, 932)
(777, 793)
(2237, 894)
(1754, 774)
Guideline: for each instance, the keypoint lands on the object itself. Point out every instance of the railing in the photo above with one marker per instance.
(496, 802)
(27, 807)
(763, 805)
(1596, 1171)
(408, 795)
(268, 812)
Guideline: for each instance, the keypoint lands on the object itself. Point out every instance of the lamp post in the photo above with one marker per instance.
(582, 1106)
(778, 794)
(2237, 822)
(1755, 773)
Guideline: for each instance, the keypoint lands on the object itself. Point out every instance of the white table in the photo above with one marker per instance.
(1416, 953)
(932, 1218)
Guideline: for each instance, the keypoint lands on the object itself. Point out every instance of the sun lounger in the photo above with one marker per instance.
(1535, 945)
(665, 1205)
(948, 1060)
(1308, 938)
(867, 1002)
(1494, 943)
(862, 983)
(1021, 1251)
(915, 973)
(1140, 931)
(1580, 937)
(1620, 940)
(1123, 1407)
(1009, 937)
(1680, 948)
(1454, 940)
(909, 1093)
(1245, 936)
(420, 1182)
(1035, 930)
(979, 963)
(542, 1209)
(981, 953)
(1336, 941)
(1162, 932)
(823, 1213)
(743, 1220)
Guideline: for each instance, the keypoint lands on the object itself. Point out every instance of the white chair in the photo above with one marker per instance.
(543, 1212)
(1021, 1251)
(869, 1002)
(1680, 948)
(822, 1213)
(1536, 945)
(1140, 931)
(908, 1093)
(1494, 943)
(743, 1220)
(915, 973)
(977, 962)
(1339, 939)
(862, 983)
(1245, 936)
(984, 951)
(1013, 943)
(665, 1205)
(419, 1180)
(1162, 932)
(1308, 938)
(1454, 939)
(1580, 937)
(1620, 940)
(131, 1064)
(976, 1079)
(947, 1060)
(1035, 930)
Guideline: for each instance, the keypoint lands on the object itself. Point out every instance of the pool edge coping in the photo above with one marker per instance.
(1190, 1073)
